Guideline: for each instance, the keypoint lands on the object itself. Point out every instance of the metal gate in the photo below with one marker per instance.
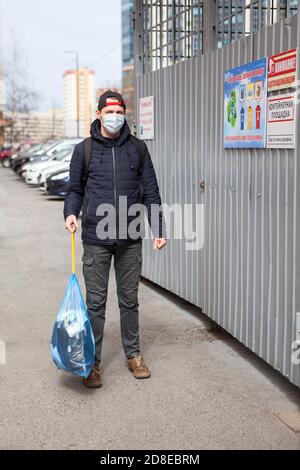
(246, 277)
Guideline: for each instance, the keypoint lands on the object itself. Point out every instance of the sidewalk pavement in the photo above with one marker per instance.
(207, 391)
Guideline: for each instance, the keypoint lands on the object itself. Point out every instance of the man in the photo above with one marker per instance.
(119, 166)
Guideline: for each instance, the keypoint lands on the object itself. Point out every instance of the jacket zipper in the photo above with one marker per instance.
(115, 189)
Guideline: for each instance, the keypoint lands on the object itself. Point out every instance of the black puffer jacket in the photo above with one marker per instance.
(113, 171)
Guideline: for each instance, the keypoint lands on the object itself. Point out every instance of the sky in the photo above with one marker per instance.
(43, 29)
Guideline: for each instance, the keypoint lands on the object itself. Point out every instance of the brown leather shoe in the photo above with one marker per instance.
(138, 367)
(94, 379)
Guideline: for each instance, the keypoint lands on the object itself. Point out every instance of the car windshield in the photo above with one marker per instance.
(63, 153)
(34, 149)
(50, 146)
(60, 146)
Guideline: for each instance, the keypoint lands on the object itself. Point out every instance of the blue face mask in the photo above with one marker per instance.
(113, 122)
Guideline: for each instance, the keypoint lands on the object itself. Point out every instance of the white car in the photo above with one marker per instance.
(34, 169)
(43, 158)
(42, 152)
(46, 172)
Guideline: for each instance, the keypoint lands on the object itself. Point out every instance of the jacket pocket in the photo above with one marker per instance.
(89, 271)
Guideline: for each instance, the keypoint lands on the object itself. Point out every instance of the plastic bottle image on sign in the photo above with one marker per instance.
(257, 116)
(242, 119)
(249, 126)
(231, 109)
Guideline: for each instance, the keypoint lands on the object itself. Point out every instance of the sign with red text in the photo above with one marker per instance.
(281, 121)
(282, 70)
(146, 124)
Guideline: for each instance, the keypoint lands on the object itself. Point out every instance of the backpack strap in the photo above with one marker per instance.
(87, 149)
(140, 146)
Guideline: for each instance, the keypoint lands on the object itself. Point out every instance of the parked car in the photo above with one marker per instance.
(5, 156)
(33, 170)
(57, 184)
(48, 155)
(36, 152)
(62, 165)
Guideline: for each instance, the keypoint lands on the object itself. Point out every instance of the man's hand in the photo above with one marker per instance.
(71, 223)
(159, 243)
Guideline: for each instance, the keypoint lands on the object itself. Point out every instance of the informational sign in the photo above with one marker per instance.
(282, 70)
(245, 98)
(146, 125)
(281, 121)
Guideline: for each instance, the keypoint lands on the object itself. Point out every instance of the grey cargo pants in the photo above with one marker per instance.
(96, 267)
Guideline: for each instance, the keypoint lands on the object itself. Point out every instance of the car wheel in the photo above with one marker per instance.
(6, 162)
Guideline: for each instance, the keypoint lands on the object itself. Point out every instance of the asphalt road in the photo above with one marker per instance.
(206, 391)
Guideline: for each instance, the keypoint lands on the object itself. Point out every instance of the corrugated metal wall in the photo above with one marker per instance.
(246, 278)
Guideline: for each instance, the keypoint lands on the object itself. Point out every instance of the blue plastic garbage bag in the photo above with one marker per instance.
(72, 343)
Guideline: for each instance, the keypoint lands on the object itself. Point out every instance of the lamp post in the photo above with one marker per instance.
(77, 89)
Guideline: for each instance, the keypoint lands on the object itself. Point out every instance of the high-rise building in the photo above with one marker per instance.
(175, 31)
(87, 100)
(128, 60)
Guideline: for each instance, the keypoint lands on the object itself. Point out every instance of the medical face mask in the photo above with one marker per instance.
(113, 122)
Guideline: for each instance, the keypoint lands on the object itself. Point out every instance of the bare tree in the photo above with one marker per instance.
(20, 98)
